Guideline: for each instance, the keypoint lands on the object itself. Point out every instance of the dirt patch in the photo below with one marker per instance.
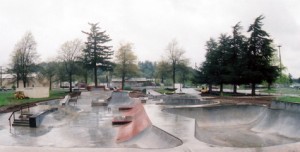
(11, 108)
(256, 100)
(136, 94)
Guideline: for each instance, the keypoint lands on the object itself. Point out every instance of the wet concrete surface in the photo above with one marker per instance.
(80, 125)
(83, 128)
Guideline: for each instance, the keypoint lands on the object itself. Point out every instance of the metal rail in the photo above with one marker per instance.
(13, 113)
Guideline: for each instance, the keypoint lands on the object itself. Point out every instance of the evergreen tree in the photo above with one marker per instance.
(96, 53)
(258, 56)
(206, 73)
(234, 60)
(221, 57)
(147, 68)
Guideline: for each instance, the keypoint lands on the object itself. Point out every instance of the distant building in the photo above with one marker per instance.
(132, 82)
(9, 80)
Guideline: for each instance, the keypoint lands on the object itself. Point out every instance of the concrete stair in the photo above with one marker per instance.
(21, 122)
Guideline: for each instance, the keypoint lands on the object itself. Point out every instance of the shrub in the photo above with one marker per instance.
(20, 95)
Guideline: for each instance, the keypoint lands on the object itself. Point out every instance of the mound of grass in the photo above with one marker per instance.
(282, 91)
(289, 99)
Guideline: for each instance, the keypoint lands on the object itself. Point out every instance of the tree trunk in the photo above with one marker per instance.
(173, 76)
(221, 89)
(107, 81)
(95, 76)
(24, 82)
(269, 86)
(123, 81)
(70, 82)
(210, 88)
(50, 83)
(234, 88)
(86, 77)
(18, 78)
(253, 89)
(162, 80)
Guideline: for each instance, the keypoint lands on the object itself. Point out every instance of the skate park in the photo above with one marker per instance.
(157, 125)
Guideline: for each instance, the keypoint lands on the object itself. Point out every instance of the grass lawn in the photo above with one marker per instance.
(289, 99)
(7, 98)
(283, 91)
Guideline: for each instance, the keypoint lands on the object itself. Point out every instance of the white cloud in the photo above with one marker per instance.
(149, 24)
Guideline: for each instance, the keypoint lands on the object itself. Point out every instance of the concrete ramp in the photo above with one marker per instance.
(243, 126)
(119, 99)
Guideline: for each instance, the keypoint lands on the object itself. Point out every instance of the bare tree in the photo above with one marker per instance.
(69, 54)
(174, 56)
(126, 62)
(162, 70)
(24, 58)
(48, 70)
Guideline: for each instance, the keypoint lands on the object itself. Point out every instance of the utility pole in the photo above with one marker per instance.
(1, 76)
(280, 68)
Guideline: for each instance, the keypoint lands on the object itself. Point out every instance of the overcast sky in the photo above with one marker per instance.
(149, 24)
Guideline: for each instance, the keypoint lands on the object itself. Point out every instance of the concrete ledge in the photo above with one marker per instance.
(36, 119)
(99, 103)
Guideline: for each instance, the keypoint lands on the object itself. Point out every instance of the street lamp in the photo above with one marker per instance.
(280, 68)
(279, 46)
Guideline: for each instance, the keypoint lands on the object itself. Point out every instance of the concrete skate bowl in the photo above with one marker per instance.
(82, 127)
(243, 126)
(183, 100)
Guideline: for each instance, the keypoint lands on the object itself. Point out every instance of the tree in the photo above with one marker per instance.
(207, 72)
(147, 68)
(24, 58)
(234, 56)
(221, 61)
(290, 78)
(259, 54)
(96, 53)
(162, 70)
(184, 72)
(69, 54)
(48, 70)
(126, 65)
(175, 57)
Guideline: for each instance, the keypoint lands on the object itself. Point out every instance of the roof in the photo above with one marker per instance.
(130, 80)
(11, 76)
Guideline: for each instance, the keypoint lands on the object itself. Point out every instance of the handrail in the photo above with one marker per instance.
(13, 113)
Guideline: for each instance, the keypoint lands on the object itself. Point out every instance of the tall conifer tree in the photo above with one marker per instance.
(96, 53)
